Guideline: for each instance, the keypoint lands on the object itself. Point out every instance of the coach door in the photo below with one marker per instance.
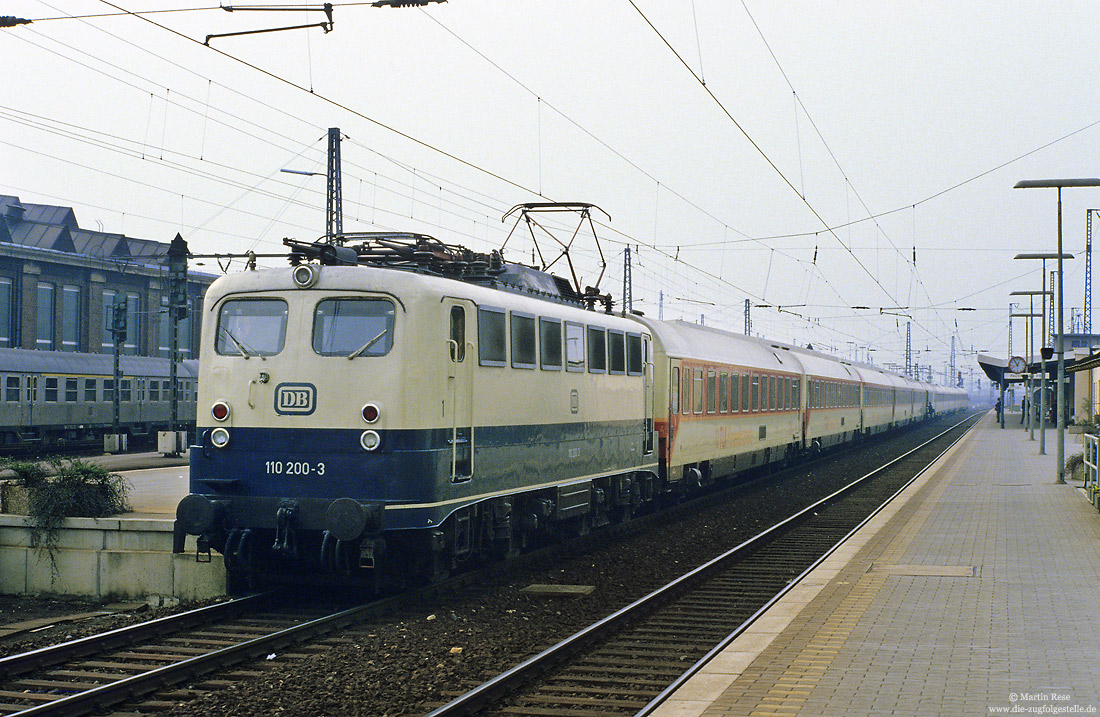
(460, 386)
(647, 369)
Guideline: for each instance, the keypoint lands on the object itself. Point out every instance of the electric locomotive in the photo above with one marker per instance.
(379, 419)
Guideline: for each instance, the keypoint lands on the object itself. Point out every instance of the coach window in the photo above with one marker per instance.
(89, 390)
(154, 390)
(353, 327)
(126, 394)
(458, 334)
(616, 352)
(723, 392)
(674, 384)
(251, 327)
(574, 347)
(771, 393)
(796, 399)
(635, 361)
(712, 391)
(697, 391)
(745, 395)
(492, 338)
(11, 389)
(523, 340)
(735, 392)
(72, 392)
(685, 395)
(51, 389)
(756, 393)
(550, 344)
(597, 350)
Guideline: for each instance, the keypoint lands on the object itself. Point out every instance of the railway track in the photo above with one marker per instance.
(100, 671)
(630, 661)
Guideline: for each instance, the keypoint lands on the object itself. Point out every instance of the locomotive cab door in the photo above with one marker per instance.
(459, 400)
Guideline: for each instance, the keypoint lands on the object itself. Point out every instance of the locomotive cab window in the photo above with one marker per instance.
(523, 340)
(458, 334)
(353, 327)
(251, 327)
(550, 344)
(492, 337)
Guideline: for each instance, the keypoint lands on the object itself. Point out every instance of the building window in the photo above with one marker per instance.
(70, 318)
(107, 342)
(45, 329)
(133, 324)
(6, 318)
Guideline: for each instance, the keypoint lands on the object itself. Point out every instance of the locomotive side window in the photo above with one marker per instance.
(458, 333)
(574, 347)
(523, 340)
(634, 359)
(616, 344)
(674, 384)
(597, 350)
(550, 344)
(492, 337)
(352, 327)
(251, 327)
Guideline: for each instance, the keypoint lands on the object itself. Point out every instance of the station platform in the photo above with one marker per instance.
(124, 557)
(971, 594)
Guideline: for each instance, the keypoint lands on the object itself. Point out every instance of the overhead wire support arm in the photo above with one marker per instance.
(326, 26)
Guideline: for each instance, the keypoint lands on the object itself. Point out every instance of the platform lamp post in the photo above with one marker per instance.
(1030, 343)
(1061, 409)
(1046, 352)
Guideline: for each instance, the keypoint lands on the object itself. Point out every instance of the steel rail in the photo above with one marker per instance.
(144, 683)
(502, 685)
(14, 665)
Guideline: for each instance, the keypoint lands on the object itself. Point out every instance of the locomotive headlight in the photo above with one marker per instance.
(370, 440)
(219, 437)
(305, 275)
(371, 412)
(220, 411)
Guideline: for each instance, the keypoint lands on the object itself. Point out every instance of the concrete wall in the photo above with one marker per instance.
(106, 558)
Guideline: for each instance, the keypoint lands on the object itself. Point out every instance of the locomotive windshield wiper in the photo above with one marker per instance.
(240, 346)
(367, 345)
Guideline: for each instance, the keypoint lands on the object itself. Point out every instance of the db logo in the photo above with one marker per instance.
(295, 399)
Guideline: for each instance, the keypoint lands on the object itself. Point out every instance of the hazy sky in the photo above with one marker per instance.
(795, 154)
